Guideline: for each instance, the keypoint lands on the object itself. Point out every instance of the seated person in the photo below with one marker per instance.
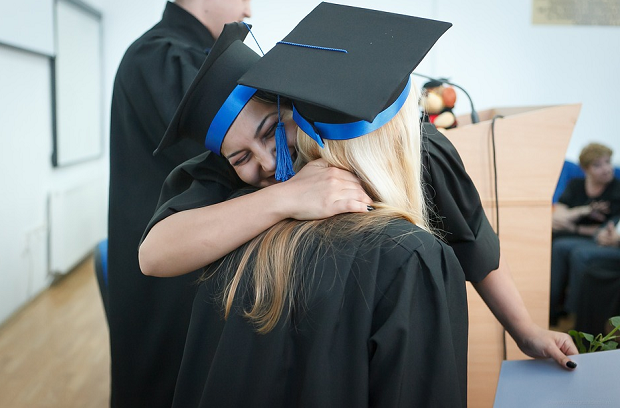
(585, 205)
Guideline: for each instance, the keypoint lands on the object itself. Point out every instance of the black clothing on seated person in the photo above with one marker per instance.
(383, 323)
(575, 195)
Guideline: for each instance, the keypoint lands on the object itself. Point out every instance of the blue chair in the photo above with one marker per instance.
(101, 271)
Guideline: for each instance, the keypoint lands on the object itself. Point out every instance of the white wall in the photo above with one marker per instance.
(25, 169)
(27, 176)
(495, 52)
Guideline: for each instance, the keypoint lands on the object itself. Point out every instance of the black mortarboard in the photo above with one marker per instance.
(213, 100)
(345, 65)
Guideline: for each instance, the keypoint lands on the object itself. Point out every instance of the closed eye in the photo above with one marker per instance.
(258, 133)
(241, 160)
(270, 132)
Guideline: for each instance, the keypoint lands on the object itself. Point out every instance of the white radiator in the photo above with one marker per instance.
(77, 222)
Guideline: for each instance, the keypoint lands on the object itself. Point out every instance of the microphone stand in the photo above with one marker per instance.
(474, 114)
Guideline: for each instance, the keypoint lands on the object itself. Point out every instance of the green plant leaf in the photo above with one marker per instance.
(608, 337)
(595, 345)
(599, 341)
(577, 338)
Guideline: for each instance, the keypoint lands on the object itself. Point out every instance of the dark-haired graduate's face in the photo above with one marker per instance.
(250, 144)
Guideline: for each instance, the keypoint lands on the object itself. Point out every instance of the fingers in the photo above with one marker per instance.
(561, 349)
(318, 171)
(350, 199)
(318, 163)
(350, 206)
(317, 198)
(339, 174)
(600, 206)
(321, 191)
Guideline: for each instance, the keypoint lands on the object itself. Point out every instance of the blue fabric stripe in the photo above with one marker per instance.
(344, 131)
(225, 117)
(306, 127)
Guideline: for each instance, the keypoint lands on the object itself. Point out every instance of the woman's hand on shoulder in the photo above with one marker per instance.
(319, 191)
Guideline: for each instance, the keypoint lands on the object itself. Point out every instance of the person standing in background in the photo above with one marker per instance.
(148, 318)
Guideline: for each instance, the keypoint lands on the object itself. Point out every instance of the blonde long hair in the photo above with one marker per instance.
(388, 163)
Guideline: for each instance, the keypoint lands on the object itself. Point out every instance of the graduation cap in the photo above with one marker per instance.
(346, 69)
(214, 99)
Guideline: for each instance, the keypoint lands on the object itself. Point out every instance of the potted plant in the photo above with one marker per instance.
(598, 342)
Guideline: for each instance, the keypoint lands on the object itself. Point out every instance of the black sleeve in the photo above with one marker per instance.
(456, 210)
(204, 180)
(159, 87)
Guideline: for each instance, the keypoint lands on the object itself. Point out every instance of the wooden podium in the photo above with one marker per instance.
(530, 145)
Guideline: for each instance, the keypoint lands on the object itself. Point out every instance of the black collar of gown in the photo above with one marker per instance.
(183, 22)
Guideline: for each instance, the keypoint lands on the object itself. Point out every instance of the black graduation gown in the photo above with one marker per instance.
(148, 317)
(459, 216)
(454, 200)
(384, 325)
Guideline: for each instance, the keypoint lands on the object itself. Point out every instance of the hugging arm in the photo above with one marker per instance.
(207, 227)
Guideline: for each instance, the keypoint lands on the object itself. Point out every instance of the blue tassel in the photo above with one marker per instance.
(284, 163)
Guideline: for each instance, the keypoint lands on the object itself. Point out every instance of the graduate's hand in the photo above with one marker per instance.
(540, 343)
(319, 191)
(500, 293)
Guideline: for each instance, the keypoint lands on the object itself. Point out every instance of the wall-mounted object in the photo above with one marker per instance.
(77, 84)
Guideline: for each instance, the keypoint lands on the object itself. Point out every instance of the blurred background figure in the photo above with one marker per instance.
(582, 209)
